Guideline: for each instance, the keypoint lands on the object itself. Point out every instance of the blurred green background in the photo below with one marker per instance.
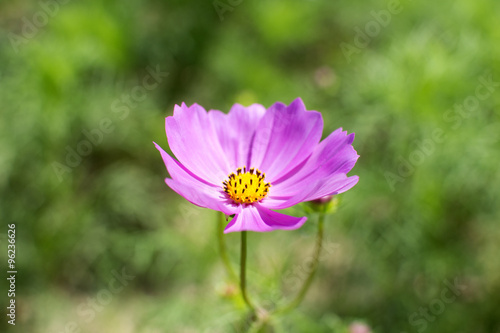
(408, 79)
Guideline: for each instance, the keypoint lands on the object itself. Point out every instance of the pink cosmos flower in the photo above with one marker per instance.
(252, 160)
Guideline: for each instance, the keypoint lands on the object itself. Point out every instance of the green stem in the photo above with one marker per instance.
(307, 283)
(243, 265)
(222, 247)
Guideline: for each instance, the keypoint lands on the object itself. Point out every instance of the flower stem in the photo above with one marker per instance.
(243, 265)
(307, 283)
(222, 247)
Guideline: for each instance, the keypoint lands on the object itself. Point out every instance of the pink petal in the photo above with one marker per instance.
(194, 189)
(258, 218)
(235, 132)
(193, 140)
(285, 137)
(311, 191)
(324, 173)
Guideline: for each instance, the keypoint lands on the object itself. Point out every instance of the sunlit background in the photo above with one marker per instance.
(85, 87)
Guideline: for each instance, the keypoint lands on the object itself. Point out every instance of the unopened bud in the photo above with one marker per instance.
(327, 204)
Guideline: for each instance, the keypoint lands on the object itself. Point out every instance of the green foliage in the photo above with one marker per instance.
(425, 211)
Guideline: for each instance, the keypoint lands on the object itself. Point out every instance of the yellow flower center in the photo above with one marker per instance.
(246, 186)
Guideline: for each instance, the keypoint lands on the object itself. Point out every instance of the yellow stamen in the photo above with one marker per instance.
(246, 186)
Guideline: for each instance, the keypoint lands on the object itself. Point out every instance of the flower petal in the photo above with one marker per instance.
(307, 190)
(312, 191)
(236, 131)
(334, 186)
(324, 173)
(194, 189)
(258, 218)
(285, 137)
(193, 140)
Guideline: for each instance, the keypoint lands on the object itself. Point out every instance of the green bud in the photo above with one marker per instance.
(327, 204)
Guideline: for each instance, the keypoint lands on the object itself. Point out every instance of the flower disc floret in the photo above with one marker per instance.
(246, 186)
